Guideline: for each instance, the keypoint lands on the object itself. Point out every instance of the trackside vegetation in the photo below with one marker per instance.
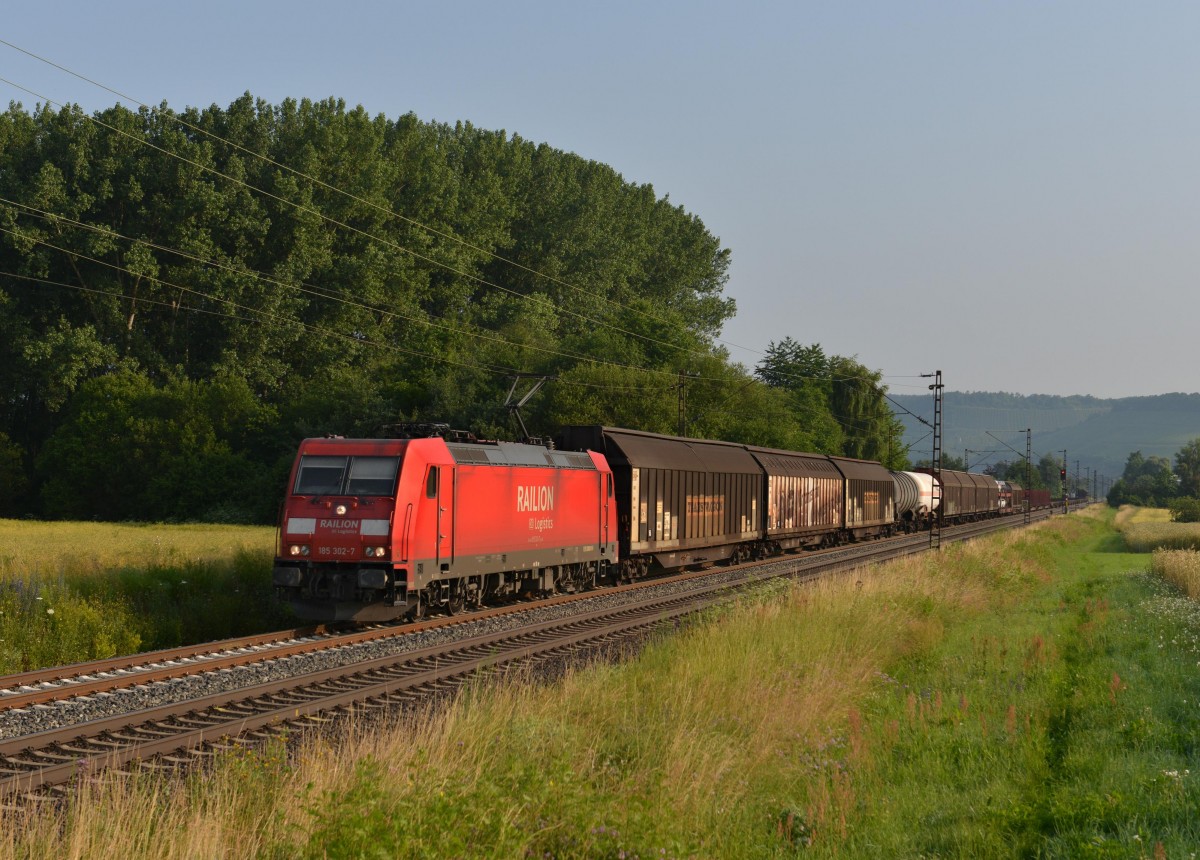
(71, 592)
(1150, 529)
(1033, 694)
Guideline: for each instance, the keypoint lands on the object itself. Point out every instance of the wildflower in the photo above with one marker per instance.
(50, 611)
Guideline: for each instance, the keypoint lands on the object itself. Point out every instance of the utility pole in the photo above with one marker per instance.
(1028, 468)
(682, 386)
(935, 528)
(1062, 480)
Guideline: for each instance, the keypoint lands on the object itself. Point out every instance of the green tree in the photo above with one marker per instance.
(13, 478)
(1187, 468)
(1148, 481)
(129, 449)
(858, 402)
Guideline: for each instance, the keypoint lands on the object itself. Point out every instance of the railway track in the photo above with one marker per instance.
(36, 763)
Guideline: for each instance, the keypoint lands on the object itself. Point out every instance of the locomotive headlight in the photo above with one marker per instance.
(294, 549)
(340, 510)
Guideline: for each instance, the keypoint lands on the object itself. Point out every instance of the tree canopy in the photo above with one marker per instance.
(184, 296)
(1150, 481)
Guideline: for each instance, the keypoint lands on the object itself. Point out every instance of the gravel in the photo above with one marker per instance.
(22, 722)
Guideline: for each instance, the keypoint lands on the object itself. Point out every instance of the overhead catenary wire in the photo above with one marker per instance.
(108, 232)
(396, 246)
(372, 237)
(385, 210)
(279, 319)
(311, 290)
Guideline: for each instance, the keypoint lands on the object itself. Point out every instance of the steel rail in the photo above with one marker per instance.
(81, 679)
(53, 757)
(173, 735)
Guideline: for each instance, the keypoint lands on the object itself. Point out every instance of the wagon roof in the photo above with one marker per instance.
(862, 470)
(651, 450)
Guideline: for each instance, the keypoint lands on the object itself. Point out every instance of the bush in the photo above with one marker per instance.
(1185, 510)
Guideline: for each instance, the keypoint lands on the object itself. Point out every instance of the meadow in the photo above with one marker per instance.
(1148, 529)
(1031, 694)
(71, 592)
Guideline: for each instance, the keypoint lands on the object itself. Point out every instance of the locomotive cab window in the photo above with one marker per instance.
(346, 476)
(320, 476)
(372, 476)
(431, 483)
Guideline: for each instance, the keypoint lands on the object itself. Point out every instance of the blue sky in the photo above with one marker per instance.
(1007, 191)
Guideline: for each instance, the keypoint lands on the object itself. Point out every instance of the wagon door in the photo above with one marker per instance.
(445, 541)
(439, 494)
(605, 505)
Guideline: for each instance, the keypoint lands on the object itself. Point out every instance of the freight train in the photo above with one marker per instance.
(379, 529)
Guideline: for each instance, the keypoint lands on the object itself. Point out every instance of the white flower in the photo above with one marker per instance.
(49, 611)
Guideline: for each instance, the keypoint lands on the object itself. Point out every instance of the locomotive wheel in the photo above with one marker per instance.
(456, 602)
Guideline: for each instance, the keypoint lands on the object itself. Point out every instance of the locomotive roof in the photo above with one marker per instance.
(516, 454)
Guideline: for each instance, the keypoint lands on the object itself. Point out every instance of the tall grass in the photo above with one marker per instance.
(71, 592)
(1149, 529)
(56, 550)
(1181, 567)
(1133, 515)
(746, 736)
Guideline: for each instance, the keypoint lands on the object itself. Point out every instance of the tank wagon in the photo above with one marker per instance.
(966, 496)
(916, 502)
(377, 529)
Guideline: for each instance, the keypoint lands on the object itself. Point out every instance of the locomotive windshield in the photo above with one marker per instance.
(346, 476)
(372, 476)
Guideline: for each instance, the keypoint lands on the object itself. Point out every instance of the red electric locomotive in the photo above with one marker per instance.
(374, 529)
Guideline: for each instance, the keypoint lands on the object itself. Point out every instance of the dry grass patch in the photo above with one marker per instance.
(1149, 529)
(1134, 515)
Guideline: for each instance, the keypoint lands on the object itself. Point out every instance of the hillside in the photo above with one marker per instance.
(1098, 433)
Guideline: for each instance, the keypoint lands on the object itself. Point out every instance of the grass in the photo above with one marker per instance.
(1029, 695)
(1060, 727)
(1180, 567)
(68, 549)
(71, 592)
(1149, 529)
